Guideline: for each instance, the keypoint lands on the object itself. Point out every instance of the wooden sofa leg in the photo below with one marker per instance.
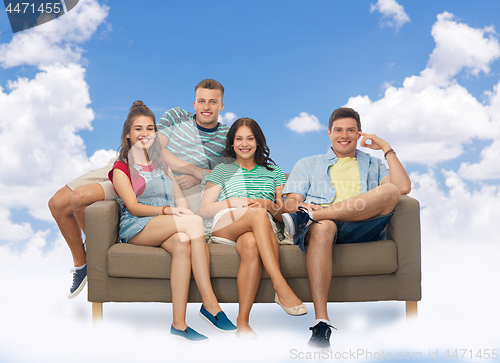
(96, 313)
(411, 310)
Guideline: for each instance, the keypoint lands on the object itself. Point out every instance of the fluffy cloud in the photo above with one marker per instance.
(56, 41)
(12, 232)
(487, 168)
(431, 112)
(228, 118)
(458, 47)
(393, 14)
(459, 214)
(304, 123)
(39, 148)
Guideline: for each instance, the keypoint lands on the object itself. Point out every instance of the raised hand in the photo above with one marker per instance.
(376, 143)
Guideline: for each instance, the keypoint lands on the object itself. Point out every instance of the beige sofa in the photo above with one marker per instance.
(374, 271)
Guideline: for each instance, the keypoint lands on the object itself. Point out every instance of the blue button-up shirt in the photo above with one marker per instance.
(310, 177)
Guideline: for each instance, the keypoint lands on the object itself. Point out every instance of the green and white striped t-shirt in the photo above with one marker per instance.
(237, 182)
(192, 143)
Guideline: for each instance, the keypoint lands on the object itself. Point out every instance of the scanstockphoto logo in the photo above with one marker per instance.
(28, 14)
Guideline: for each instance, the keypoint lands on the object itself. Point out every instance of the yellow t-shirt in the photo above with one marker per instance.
(344, 176)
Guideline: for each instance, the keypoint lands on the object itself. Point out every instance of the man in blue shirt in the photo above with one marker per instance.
(349, 195)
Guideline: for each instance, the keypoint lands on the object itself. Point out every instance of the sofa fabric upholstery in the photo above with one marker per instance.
(374, 271)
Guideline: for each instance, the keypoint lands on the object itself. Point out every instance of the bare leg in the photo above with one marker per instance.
(377, 202)
(180, 277)
(248, 281)
(82, 197)
(256, 220)
(191, 230)
(319, 264)
(60, 207)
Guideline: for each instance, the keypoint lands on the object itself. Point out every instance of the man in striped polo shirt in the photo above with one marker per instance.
(194, 144)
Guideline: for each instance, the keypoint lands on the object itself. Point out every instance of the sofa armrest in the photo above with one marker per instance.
(404, 230)
(101, 221)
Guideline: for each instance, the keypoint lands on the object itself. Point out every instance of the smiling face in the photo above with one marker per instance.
(142, 131)
(244, 144)
(208, 104)
(344, 136)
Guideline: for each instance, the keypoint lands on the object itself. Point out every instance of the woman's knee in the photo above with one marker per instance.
(189, 223)
(178, 244)
(258, 215)
(246, 247)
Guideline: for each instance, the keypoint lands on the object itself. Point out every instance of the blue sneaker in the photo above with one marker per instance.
(219, 321)
(321, 335)
(296, 223)
(189, 334)
(79, 281)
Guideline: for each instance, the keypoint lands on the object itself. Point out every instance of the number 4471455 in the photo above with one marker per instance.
(30, 7)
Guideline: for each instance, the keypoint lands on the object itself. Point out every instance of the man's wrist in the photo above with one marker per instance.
(389, 152)
(386, 147)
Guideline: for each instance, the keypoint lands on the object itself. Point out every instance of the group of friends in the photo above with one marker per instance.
(343, 196)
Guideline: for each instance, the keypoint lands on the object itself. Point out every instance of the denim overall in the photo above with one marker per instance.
(159, 191)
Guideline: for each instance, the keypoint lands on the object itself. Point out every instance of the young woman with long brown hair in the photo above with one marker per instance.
(155, 213)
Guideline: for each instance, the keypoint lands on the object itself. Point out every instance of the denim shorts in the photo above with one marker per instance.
(368, 230)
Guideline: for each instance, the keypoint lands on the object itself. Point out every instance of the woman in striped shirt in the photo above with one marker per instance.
(242, 196)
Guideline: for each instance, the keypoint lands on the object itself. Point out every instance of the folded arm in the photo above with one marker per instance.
(192, 173)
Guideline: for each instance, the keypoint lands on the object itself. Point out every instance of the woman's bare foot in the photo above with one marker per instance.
(243, 327)
(244, 331)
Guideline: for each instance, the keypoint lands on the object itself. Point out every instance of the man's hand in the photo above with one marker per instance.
(376, 143)
(310, 206)
(187, 181)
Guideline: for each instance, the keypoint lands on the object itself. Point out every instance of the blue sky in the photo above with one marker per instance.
(424, 75)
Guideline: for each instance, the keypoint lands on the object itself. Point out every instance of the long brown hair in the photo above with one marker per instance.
(261, 153)
(154, 152)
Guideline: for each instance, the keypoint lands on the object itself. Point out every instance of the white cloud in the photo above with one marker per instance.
(228, 118)
(304, 123)
(460, 215)
(431, 117)
(458, 47)
(39, 148)
(487, 168)
(393, 14)
(12, 232)
(56, 41)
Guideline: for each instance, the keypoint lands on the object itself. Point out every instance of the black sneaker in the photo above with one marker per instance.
(321, 335)
(295, 223)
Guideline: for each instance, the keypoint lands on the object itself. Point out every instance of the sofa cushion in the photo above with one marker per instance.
(371, 258)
